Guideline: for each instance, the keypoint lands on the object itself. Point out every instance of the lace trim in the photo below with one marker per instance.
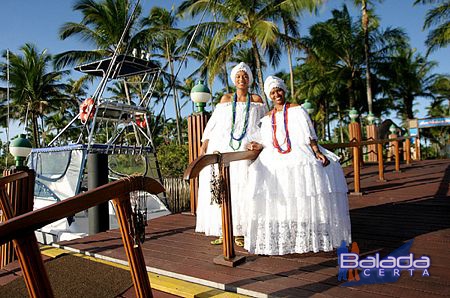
(291, 237)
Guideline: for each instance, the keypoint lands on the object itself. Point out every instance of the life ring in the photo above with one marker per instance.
(141, 122)
(87, 110)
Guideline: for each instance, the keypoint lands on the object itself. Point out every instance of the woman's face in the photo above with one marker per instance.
(277, 96)
(242, 80)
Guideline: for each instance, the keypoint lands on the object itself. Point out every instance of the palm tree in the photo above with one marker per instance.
(408, 77)
(336, 45)
(212, 58)
(438, 16)
(366, 29)
(332, 73)
(240, 23)
(439, 107)
(288, 14)
(161, 33)
(35, 91)
(102, 25)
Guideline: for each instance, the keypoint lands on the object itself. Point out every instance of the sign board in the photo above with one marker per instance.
(413, 132)
(433, 122)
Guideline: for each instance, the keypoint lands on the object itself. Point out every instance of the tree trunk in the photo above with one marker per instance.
(409, 101)
(34, 125)
(259, 72)
(327, 120)
(175, 99)
(43, 134)
(289, 56)
(225, 72)
(341, 130)
(365, 25)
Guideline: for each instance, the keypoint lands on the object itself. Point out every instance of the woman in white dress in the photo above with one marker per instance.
(296, 189)
(234, 119)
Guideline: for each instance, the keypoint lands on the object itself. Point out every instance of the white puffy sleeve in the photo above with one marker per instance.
(303, 124)
(311, 131)
(213, 120)
(258, 111)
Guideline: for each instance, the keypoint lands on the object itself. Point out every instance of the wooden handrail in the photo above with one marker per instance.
(229, 257)
(36, 219)
(362, 143)
(20, 229)
(357, 144)
(194, 168)
(13, 177)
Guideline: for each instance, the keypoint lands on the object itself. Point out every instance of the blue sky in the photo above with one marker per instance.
(38, 22)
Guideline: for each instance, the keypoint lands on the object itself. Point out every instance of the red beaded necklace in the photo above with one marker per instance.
(287, 140)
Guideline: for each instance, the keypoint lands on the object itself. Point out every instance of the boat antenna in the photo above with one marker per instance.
(181, 64)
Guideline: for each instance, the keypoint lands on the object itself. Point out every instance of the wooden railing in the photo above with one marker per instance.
(356, 148)
(229, 257)
(20, 229)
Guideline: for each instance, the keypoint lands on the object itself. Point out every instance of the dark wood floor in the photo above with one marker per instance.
(413, 204)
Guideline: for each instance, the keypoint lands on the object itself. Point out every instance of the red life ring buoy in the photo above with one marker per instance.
(141, 122)
(87, 110)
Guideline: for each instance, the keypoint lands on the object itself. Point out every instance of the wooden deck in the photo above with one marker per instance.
(413, 204)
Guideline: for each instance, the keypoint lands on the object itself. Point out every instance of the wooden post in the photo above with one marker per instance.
(196, 126)
(372, 135)
(20, 197)
(397, 156)
(354, 131)
(133, 250)
(229, 257)
(417, 147)
(380, 163)
(30, 259)
(408, 150)
(356, 171)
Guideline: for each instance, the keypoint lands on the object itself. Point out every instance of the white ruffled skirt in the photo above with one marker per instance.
(209, 215)
(295, 204)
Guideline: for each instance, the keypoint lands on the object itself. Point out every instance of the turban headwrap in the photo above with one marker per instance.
(273, 82)
(241, 67)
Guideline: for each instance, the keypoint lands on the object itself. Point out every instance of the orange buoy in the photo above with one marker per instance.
(141, 122)
(87, 110)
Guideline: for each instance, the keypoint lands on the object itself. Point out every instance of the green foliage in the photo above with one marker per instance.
(173, 159)
(127, 164)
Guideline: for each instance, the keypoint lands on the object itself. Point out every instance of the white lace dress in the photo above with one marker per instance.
(217, 131)
(295, 204)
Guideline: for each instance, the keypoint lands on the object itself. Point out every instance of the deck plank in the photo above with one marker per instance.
(413, 204)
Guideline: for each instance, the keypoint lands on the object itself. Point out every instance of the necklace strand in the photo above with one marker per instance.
(233, 122)
(287, 140)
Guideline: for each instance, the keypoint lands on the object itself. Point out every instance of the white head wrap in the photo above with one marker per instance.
(244, 67)
(273, 82)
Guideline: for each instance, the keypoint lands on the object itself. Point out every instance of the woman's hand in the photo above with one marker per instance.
(254, 146)
(322, 158)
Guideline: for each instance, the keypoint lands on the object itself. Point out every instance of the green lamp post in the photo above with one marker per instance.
(392, 128)
(370, 118)
(308, 107)
(353, 114)
(377, 121)
(20, 148)
(200, 94)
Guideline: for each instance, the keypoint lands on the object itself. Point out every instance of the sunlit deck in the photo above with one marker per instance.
(413, 204)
